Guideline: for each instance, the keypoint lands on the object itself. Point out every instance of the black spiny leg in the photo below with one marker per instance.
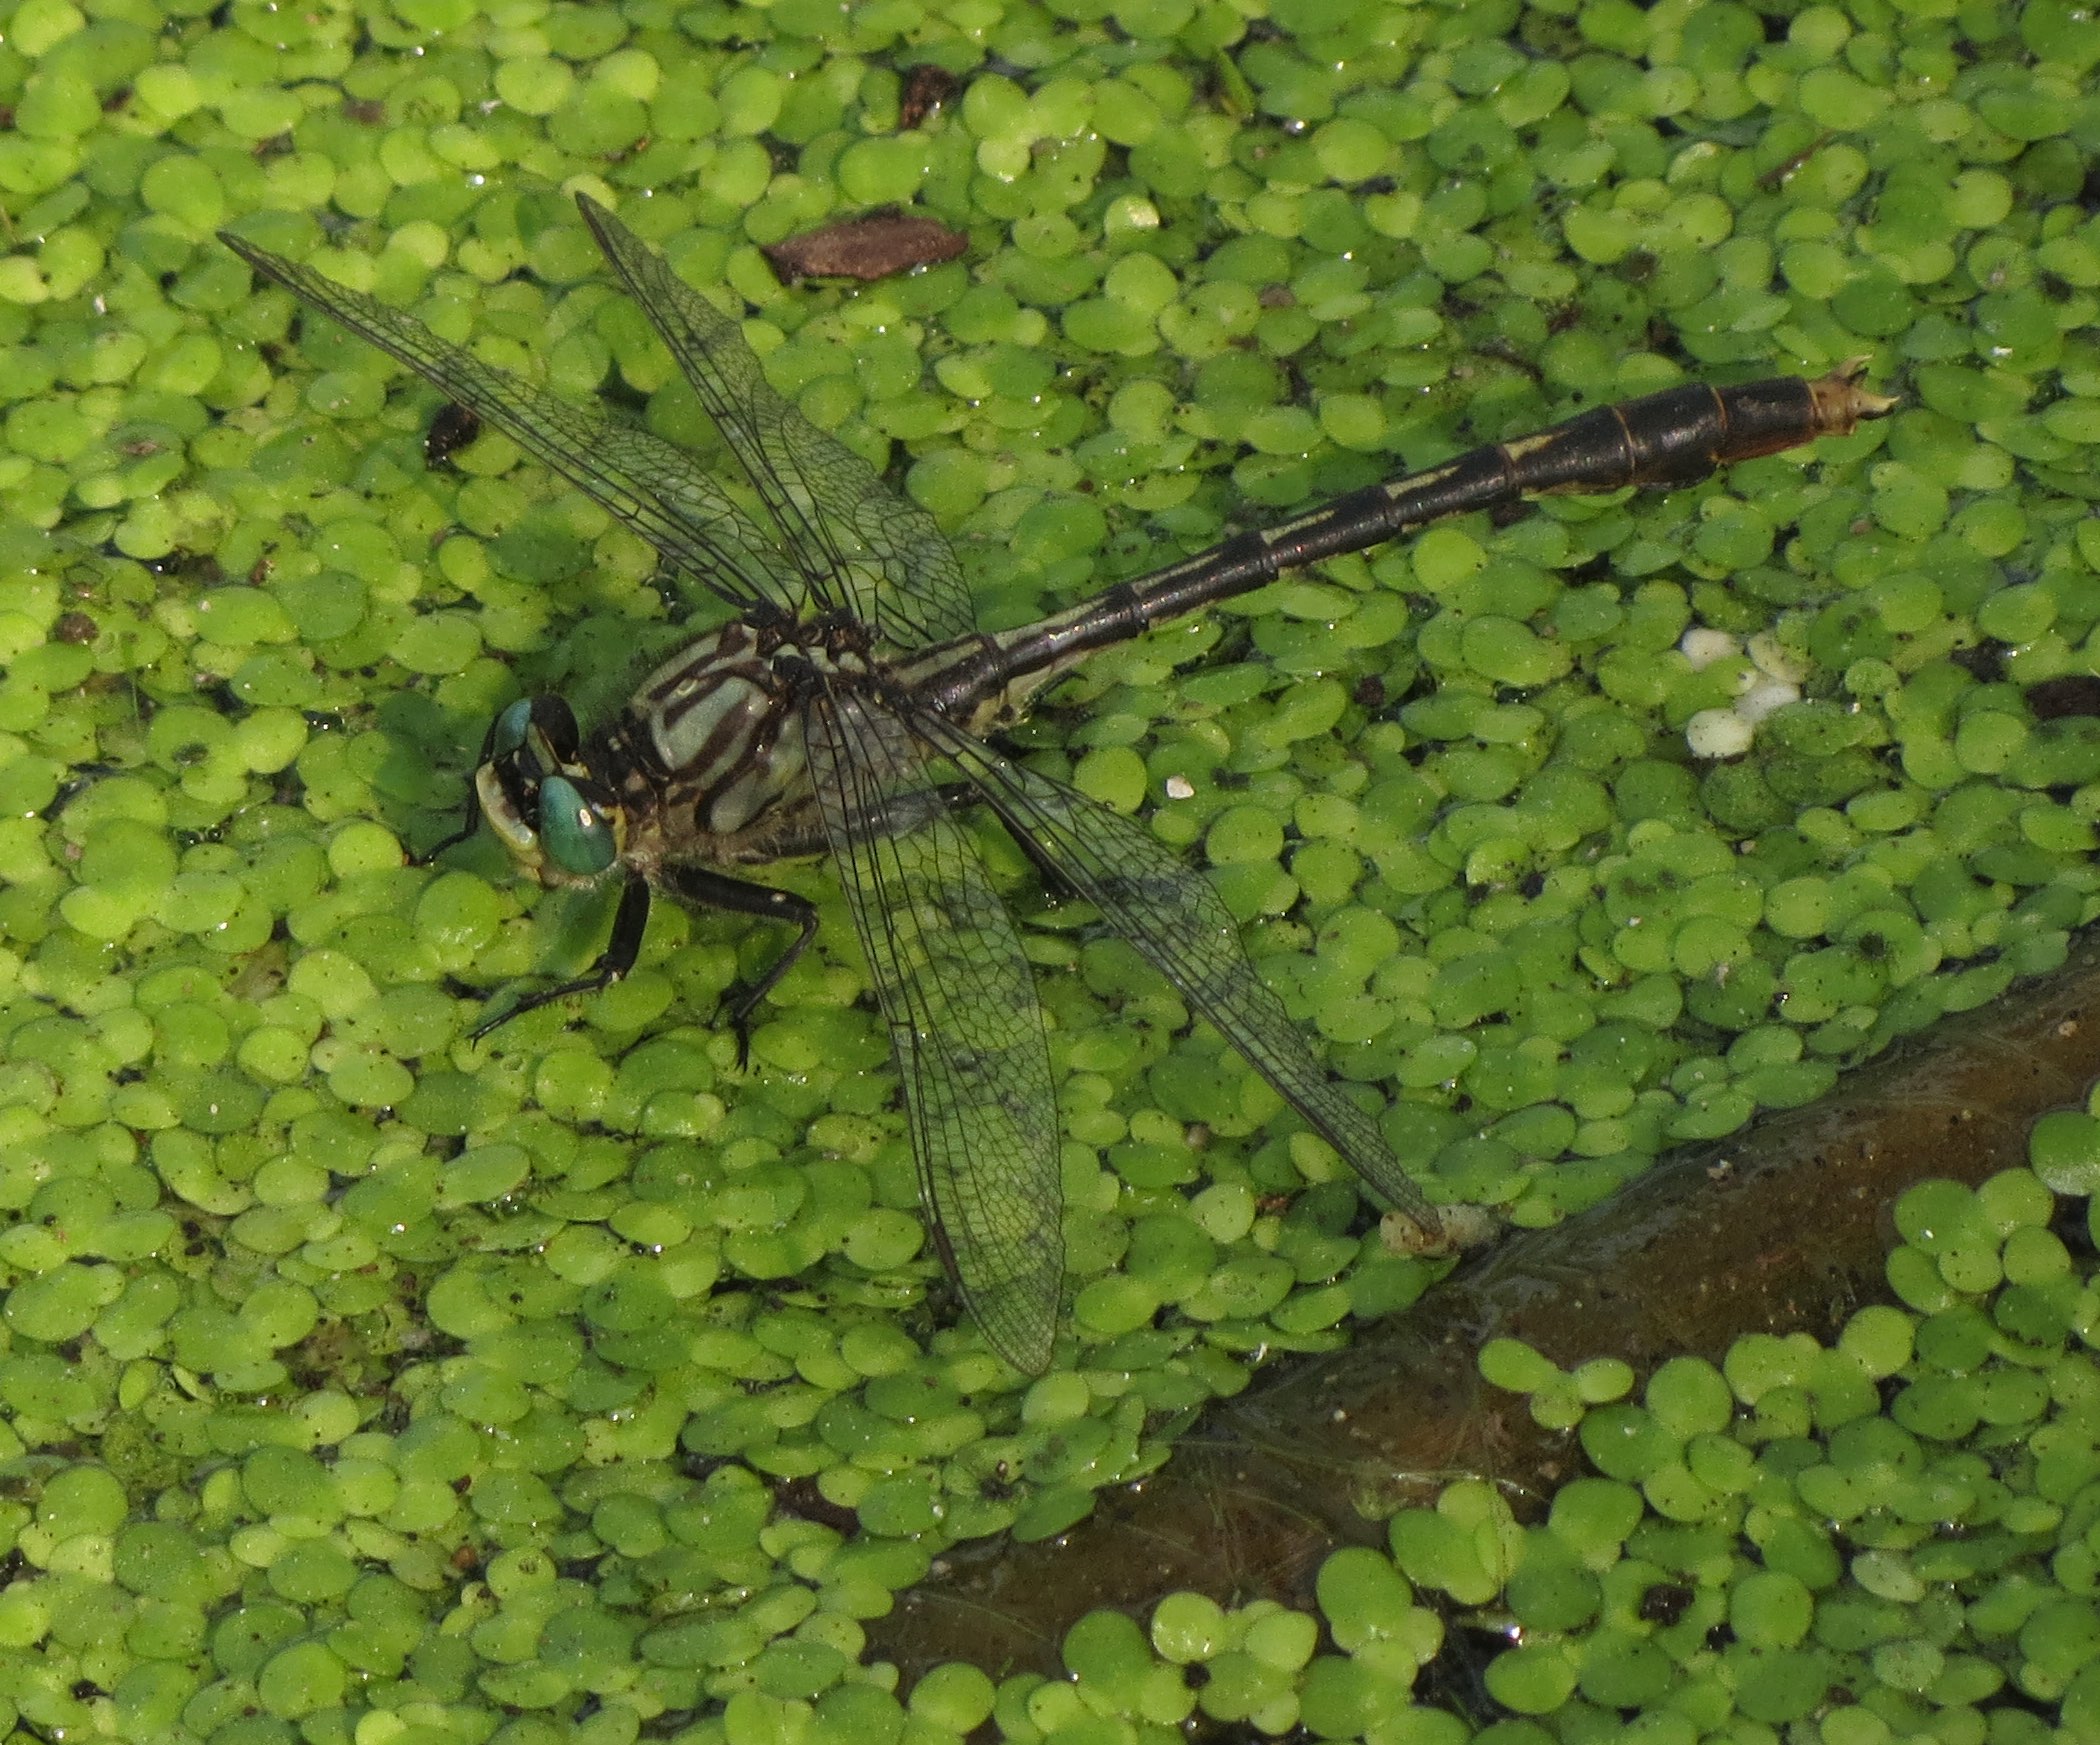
(458, 836)
(472, 822)
(615, 961)
(713, 890)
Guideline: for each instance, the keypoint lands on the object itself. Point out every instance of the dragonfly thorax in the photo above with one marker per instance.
(706, 764)
(718, 729)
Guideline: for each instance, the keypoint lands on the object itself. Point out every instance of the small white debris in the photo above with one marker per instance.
(1714, 733)
(1766, 675)
(1765, 696)
(1702, 647)
(1180, 788)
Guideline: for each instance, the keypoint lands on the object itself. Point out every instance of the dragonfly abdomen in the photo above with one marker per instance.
(1670, 438)
(1674, 437)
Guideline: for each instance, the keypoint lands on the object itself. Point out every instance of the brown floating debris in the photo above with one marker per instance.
(866, 248)
(1785, 1227)
(450, 431)
(926, 88)
(2067, 694)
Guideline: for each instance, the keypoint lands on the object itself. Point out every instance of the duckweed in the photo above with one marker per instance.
(592, 1384)
(1861, 1575)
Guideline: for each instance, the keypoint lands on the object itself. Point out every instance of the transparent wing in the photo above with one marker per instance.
(861, 549)
(964, 1019)
(1179, 924)
(650, 485)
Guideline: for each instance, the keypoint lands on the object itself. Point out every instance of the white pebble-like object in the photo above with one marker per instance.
(1765, 696)
(1702, 647)
(1714, 733)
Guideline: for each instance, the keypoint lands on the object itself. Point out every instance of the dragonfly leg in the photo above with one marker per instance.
(462, 834)
(472, 821)
(713, 890)
(615, 961)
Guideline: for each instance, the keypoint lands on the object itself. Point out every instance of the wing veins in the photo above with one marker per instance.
(964, 1020)
(811, 484)
(1175, 919)
(651, 485)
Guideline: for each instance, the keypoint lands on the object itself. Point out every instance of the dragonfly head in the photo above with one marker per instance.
(559, 821)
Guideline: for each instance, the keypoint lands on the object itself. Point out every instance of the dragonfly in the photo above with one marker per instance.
(843, 709)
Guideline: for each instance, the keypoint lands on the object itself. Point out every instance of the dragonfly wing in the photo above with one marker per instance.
(861, 548)
(964, 1019)
(1175, 919)
(652, 486)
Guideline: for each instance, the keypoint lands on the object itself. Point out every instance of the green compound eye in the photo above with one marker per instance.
(507, 732)
(576, 835)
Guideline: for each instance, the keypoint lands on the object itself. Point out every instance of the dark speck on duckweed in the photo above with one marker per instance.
(356, 1384)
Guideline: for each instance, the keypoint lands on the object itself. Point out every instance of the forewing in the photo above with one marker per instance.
(861, 549)
(1180, 925)
(652, 486)
(963, 1017)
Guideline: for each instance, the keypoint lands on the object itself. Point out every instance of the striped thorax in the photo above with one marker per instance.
(718, 727)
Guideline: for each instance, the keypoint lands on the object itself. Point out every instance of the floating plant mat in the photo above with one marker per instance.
(354, 1378)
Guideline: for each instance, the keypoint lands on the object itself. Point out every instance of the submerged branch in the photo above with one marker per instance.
(1781, 1229)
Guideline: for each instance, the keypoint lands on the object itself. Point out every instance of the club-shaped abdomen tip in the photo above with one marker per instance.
(1842, 405)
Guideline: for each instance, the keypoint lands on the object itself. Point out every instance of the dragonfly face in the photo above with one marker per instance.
(560, 821)
(836, 712)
